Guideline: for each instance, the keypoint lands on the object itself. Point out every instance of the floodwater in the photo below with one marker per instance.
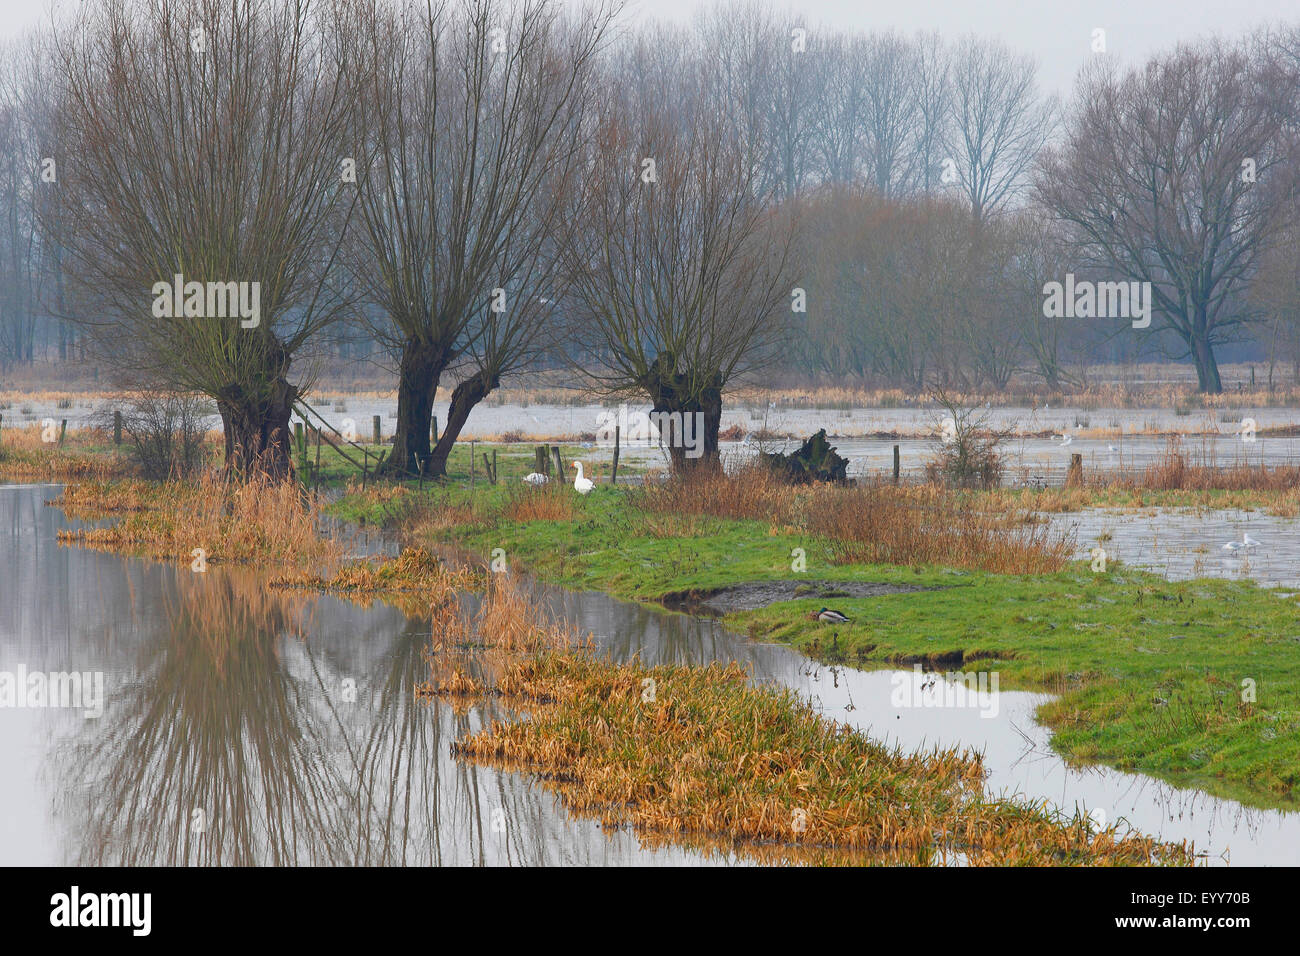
(241, 725)
(1186, 543)
(1213, 437)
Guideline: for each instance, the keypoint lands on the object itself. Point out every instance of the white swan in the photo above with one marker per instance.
(1246, 543)
(536, 478)
(581, 484)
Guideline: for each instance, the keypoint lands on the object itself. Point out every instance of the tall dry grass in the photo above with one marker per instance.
(699, 754)
(25, 456)
(1177, 470)
(752, 492)
(885, 524)
(248, 522)
(478, 654)
(929, 524)
(552, 501)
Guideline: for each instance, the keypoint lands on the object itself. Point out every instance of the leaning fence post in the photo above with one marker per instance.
(613, 476)
(63, 427)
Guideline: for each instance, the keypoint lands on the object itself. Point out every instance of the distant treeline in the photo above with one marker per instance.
(478, 188)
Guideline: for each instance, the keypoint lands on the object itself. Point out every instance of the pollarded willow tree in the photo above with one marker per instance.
(199, 138)
(472, 115)
(683, 274)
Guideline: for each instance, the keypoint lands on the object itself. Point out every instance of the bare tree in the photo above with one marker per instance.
(892, 113)
(682, 272)
(999, 122)
(473, 116)
(1160, 176)
(199, 139)
(932, 92)
(28, 265)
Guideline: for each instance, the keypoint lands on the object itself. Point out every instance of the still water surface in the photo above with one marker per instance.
(248, 726)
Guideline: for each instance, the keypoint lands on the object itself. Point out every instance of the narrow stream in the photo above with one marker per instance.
(241, 725)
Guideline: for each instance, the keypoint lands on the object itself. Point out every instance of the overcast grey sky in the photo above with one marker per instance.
(1057, 32)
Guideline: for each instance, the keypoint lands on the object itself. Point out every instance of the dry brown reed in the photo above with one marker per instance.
(875, 523)
(552, 501)
(413, 570)
(1176, 470)
(256, 521)
(26, 456)
(710, 755)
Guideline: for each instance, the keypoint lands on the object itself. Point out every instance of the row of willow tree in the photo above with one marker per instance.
(487, 187)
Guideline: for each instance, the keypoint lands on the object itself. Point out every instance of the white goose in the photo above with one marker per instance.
(582, 485)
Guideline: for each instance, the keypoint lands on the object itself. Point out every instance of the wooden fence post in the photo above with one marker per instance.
(896, 464)
(613, 477)
(378, 437)
(63, 427)
(559, 462)
(1074, 478)
(471, 463)
(117, 428)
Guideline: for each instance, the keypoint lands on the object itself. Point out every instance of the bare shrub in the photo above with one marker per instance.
(966, 451)
(166, 431)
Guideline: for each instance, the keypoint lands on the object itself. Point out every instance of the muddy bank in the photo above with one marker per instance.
(752, 595)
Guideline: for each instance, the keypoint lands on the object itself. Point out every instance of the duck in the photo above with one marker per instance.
(827, 616)
(582, 485)
(536, 478)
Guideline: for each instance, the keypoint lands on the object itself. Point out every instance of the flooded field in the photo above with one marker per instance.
(1189, 543)
(1109, 439)
(245, 726)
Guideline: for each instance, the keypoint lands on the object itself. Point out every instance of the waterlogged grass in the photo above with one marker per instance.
(414, 581)
(1197, 682)
(255, 522)
(1152, 676)
(26, 455)
(513, 461)
(703, 756)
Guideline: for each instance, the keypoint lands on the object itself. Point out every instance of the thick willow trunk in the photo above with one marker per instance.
(671, 393)
(257, 430)
(463, 399)
(420, 371)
